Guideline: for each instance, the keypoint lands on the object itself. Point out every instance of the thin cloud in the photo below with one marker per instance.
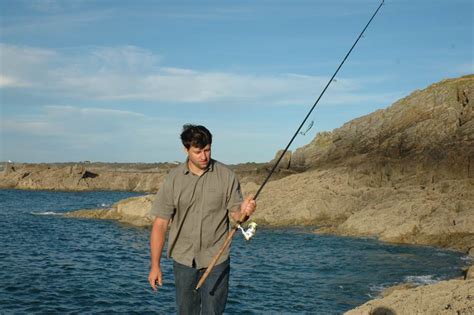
(10, 82)
(133, 73)
(125, 59)
(53, 6)
(248, 11)
(64, 119)
(89, 111)
(30, 126)
(63, 18)
(23, 65)
(45, 5)
(91, 133)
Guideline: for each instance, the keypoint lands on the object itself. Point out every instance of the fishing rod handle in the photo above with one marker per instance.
(221, 251)
(216, 258)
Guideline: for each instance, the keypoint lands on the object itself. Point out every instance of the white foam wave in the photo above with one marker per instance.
(376, 290)
(104, 205)
(421, 280)
(46, 213)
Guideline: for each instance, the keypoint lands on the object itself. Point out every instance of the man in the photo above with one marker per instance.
(195, 201)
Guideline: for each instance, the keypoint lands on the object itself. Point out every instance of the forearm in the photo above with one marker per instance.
(157, 241)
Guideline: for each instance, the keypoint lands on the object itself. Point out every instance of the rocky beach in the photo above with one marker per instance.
(404, 174)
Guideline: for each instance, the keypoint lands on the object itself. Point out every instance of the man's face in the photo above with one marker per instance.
(199, 157)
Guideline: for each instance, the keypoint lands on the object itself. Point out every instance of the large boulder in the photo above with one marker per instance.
(445, 297)
(285, 161)
(133, 210)
(470, 273)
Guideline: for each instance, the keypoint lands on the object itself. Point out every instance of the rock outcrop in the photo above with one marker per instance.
(445, 297)
(470, 273)
(403, 174)
(422, 138)
(285, 161)
(134, 210)
(84, 176)
(441, 214)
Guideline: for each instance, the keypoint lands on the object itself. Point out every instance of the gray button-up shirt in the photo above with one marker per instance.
(199, 207)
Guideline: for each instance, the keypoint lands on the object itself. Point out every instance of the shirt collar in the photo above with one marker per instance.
(210, 167)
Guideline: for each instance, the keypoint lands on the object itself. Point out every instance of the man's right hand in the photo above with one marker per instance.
(155, 277)
(157, 240)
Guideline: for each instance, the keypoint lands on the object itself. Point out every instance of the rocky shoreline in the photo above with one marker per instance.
(404, 174)
(454, 296)
(445, 297)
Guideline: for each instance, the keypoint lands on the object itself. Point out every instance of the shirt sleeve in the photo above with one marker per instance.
(163, 205)
(234, 194)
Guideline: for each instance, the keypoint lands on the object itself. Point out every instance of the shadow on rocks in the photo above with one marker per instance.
(382, 311)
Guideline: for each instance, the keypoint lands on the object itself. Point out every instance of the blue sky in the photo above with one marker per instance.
(114, 81)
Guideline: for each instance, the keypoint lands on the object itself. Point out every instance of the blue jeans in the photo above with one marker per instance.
(210, 298)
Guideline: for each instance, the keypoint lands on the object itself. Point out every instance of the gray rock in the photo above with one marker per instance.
(470, 273)
(285, 162)
(471, 252)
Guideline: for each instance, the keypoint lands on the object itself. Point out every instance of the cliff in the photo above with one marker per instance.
(423, 138)
(403, 174)
(84, 176)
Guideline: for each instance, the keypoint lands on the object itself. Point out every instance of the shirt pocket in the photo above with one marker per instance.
(214, 199)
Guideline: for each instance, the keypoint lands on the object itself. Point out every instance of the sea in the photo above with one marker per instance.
(52, 264)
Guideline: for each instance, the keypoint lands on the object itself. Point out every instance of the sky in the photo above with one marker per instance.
(114, 81)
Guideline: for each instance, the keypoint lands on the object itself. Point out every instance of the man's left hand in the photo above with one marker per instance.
(248, 206)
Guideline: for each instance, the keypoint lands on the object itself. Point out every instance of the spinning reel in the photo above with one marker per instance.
(250, 231)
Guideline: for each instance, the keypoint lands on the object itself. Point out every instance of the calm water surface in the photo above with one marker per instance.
(52, 264)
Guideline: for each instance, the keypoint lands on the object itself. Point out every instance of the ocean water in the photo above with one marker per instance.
(51, 264)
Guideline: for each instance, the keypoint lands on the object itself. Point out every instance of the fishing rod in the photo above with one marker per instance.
(242, 219)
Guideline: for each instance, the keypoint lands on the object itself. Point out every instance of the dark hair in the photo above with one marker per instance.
(195, 136)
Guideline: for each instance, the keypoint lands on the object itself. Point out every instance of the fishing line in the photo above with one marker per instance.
(315, 103)
(243, 217)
